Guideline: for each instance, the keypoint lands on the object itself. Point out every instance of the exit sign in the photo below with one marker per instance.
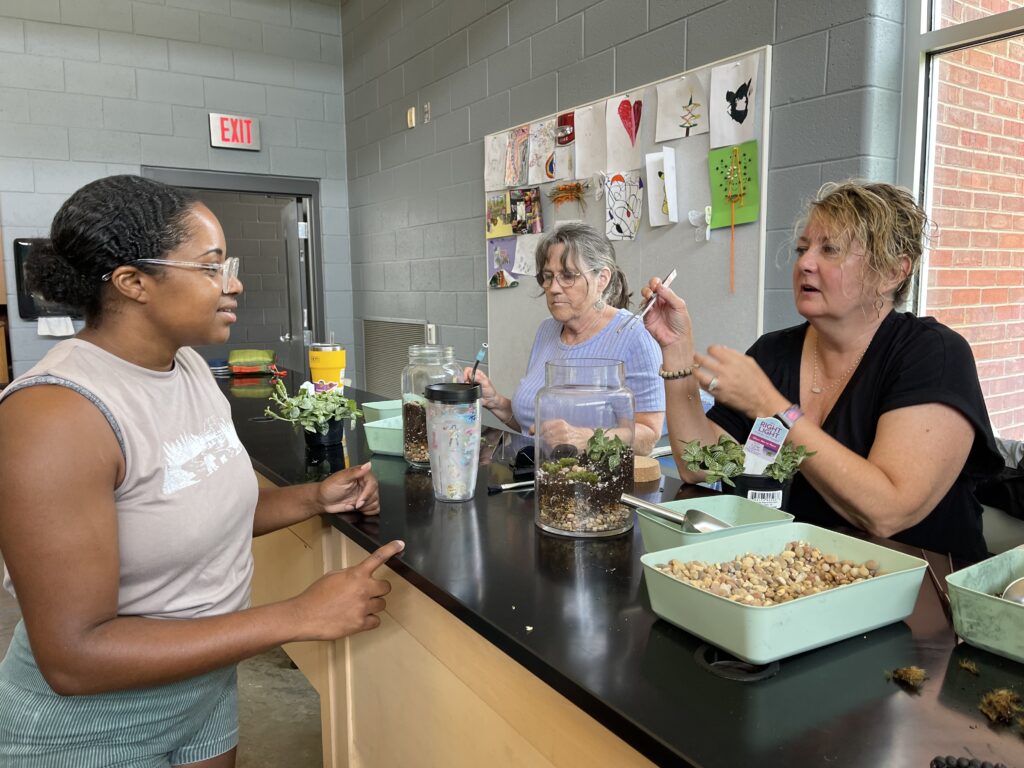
(234, 131)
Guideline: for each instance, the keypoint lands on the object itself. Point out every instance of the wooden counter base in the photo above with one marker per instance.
(423, 689)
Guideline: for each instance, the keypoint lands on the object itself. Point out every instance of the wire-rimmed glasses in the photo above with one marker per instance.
(566, 278)
(228, 268)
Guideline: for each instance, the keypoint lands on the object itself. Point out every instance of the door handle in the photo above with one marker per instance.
(286, 337)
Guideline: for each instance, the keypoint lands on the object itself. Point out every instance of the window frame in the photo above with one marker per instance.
(919, 45)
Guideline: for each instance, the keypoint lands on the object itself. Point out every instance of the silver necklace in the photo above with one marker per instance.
(815, 388)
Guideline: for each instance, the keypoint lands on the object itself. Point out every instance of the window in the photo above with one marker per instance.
(962, 147)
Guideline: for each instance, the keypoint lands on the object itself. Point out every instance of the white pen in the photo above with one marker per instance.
(650, 303)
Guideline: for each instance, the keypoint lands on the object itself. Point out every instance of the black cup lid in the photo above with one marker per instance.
(451, 392)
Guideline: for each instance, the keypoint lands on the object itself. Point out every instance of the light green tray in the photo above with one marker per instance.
(763, 634)
(981, 618)
(743, 514)
(381, 409)
(385, 436)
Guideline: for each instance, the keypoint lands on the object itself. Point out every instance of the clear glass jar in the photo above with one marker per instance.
(428, 364)
(583, 448)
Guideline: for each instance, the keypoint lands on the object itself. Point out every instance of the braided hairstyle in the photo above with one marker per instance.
(104, 225)
(593, 252)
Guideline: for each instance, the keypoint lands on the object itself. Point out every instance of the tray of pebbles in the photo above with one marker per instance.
(776, 592)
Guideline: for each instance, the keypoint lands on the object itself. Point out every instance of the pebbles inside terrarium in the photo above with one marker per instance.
(584, 435)
(428, 364)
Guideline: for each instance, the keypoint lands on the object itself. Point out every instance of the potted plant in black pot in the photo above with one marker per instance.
(320, 414)
(724, 461)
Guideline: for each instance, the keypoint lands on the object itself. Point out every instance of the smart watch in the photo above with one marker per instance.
(790, 416)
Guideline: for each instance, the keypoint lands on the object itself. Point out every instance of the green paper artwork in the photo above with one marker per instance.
(734, 179)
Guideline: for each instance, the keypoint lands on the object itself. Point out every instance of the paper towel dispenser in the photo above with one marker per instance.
(32, 307)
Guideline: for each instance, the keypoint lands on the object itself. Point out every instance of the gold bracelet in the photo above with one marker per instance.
(678, 374)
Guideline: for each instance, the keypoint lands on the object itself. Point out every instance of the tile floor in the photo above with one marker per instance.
(278, 710)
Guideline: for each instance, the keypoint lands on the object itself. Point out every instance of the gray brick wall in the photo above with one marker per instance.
(487, 64)
(94, 87)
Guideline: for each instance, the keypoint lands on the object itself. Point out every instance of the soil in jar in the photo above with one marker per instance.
(414, 425)
(580, 497)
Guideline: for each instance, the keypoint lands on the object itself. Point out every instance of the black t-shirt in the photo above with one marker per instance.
(910, 361)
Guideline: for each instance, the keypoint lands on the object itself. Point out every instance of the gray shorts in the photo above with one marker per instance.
(166, 725)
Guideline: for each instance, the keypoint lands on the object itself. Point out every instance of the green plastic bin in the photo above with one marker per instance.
(761, 634)
(979, 617)
(385, 436)
(743, 514)
(381, 409)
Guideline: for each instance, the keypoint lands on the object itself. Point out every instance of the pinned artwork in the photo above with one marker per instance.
(591, 148)
(542, 152)
(662, 206)
(501, 253)
(565, 132)
(731, 100)
(623, 115)
(525, 206)
(495, 147)
(517, 156)
(735, 193)
(503, 279)
(624, 199)
(682, 109)
(526, 255)
(570, 192)
(498, 215)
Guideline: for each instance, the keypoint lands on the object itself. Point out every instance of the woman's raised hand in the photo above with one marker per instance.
(489, 397)
(345, 602)
(668, 321)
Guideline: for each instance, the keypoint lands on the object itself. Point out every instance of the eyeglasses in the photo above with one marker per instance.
(228, 269)
(566, 278)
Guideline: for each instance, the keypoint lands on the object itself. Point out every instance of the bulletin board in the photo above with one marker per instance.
(721, 314)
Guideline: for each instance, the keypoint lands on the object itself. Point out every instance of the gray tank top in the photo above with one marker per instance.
(185, 507)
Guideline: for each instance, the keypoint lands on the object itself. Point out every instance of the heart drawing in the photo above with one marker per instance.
(629, 114)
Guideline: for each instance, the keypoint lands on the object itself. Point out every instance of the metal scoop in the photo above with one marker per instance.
(1014, 591)
(693, 520)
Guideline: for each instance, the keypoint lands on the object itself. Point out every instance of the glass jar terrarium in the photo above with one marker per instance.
(428, 364)
(584, 448)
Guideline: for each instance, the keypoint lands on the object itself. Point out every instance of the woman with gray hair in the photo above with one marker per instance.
(587, 296)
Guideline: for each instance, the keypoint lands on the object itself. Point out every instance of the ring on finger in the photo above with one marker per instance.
(713, 384)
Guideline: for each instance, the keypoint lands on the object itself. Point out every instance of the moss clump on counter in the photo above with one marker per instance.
(911, 678)
(969, 666)
(1000, 706)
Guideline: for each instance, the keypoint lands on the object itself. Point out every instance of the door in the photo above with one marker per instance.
(263, 231)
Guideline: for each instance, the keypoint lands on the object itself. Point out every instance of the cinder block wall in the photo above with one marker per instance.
(90, 88)
(416, 196)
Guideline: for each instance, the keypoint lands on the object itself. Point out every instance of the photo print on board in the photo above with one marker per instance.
(498, 215)
(732, 101)
(525, 205)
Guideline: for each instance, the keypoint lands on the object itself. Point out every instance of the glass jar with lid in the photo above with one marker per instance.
(583, 448)
(428, 364)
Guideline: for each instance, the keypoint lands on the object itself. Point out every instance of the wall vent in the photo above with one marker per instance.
(386, 349)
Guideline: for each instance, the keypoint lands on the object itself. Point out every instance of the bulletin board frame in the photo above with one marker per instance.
(720, 316)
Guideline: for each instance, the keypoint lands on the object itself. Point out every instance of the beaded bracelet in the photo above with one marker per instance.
(678, 374)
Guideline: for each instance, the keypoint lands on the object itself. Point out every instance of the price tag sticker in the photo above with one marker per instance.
(763, 444)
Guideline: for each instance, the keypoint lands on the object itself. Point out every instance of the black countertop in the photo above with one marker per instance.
(576, 614)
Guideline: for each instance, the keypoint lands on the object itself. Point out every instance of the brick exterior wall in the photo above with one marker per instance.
(976, 267)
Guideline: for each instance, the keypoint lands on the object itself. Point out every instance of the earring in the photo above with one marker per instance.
(599, 304)
(879, 303)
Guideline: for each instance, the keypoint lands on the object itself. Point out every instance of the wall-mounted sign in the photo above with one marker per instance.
(234, 131)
